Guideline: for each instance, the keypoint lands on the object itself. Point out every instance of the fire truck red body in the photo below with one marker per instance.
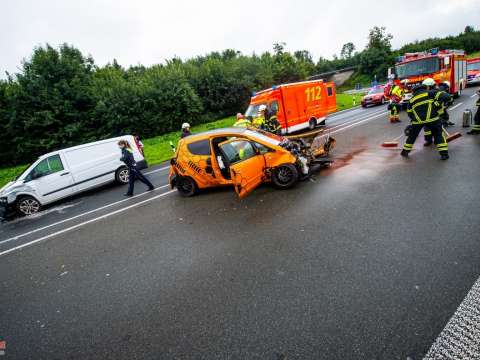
(440, 65)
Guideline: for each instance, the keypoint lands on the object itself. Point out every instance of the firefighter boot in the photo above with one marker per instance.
(427, 142)
(444, 155)
(404, 153)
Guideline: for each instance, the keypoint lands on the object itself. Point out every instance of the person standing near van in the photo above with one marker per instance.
(139, 144)
(134, 173)
(185, 130)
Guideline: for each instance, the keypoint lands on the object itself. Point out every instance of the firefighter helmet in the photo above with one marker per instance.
(428, 82)
(185, 125)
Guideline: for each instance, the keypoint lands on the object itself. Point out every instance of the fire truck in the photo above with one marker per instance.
(441, 65)
(473, 71)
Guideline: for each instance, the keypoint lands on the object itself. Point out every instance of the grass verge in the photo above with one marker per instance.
(346, 101)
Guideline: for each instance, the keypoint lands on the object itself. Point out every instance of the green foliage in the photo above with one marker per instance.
(347, 50)
(346, 101)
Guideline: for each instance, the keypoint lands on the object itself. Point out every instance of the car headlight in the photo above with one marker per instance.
(3, 200)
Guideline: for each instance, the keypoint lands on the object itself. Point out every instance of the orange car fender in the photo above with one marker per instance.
(273, 159)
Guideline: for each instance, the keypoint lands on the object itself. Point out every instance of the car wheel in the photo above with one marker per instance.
(312, 123)
(383, 101)
(122, 175)
(27, 205)
(186, 186)
(285, 176)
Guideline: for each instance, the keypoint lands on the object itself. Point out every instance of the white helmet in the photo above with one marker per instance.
(428, 82)
(262, 107)
(185, 125)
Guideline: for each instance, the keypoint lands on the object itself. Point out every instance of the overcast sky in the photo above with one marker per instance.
(149, 31)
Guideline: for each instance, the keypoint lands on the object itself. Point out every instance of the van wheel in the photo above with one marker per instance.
(122, 175)
(27, 205)
(312, 124)
(285, 176)
(186, 186)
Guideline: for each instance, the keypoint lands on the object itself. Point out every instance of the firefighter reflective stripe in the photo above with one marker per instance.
(408, 146)
(242, 123)
(429, 104)
(428, 132)
(476, 127)
(418, 97)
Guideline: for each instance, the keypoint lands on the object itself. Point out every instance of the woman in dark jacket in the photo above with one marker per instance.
(134, 173)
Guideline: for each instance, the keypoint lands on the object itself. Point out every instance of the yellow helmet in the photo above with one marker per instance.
(428, 82)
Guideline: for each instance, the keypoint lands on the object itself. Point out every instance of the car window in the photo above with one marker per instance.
(201, 147)
(237, 151)
(329, 91)
(262, 149)
(41, 169)
(55, 164)
(45, 167)
(274, 107)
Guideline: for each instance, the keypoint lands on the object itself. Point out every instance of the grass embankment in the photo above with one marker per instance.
(346, 101)
(158, 149)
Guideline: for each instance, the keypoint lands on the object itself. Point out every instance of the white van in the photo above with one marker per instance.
(66, 172)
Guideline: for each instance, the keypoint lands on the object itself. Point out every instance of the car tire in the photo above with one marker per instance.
(122, 175)
(312, 124)
(186, 186)
(383, 101)
(27, 205)
(285, 176)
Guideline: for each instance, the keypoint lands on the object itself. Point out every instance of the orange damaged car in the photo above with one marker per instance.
(244, 158)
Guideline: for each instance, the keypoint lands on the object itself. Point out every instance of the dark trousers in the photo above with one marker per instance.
(136, 174)
(476, 120)
(436, 131)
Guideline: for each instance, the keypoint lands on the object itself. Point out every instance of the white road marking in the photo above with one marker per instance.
(473, 95)
(356, 123)
(78, 216)
(157, 170)
(456, 106)
(43, 238)
(460, 339)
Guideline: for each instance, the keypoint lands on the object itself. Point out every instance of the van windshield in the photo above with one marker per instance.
(253, 110)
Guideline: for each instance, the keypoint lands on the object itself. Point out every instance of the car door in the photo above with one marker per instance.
(246, 165)
(51, 179)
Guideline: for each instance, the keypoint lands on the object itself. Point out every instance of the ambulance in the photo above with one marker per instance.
(298, 106)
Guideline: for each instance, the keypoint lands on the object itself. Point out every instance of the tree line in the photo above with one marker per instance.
(60, 97)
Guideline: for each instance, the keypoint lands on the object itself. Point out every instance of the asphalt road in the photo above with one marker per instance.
(367, 260)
